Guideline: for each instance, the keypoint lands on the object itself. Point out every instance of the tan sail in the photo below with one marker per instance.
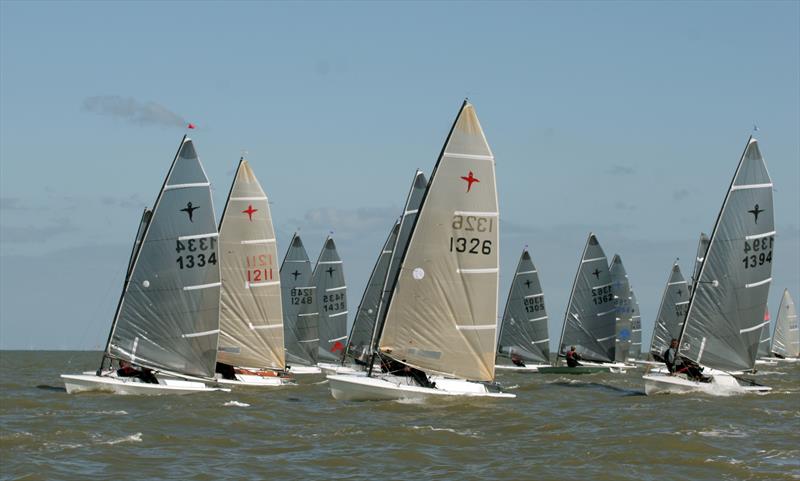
(251, 313)
(442, 315)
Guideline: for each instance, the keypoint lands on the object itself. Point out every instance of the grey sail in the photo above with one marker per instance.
(358, 344)
(408, 218)
(726, 311)
(636, 327)
(523, 330)
(621, 288)
(251, 315)
(702, 248)
(590, 319)
(301, 336)
(442, 314)
(332, 303)
(786, 338)
(765, 339)
(168, 317)
(671, 313)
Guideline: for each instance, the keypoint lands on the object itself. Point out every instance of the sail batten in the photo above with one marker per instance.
(250, 281)
(731, 290)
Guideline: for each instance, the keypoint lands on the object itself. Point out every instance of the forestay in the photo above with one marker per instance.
(590, 319)
(726, 312)
(442, 315)
(332, 303)
(671, 313)
(251, 315)
(523, 331)
(786, 339)
(300, 310)
(621, 288)
(168, 317)
(358, 344)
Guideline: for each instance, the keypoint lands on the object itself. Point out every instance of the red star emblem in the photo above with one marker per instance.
(250, 211)
(470, 180)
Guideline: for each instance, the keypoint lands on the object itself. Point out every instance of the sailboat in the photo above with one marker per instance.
(438, 338)
(636, 329)
(590, 319)
(300, 311)
(250, 350)
(726, 310)
(524, 344)
(331, 290)
(786, 338)
(167, 318)
(621, 287)
(764, 344)
(671, 313)
(702, 248)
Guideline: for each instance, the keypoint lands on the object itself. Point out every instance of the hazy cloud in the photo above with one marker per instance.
(622, 205)
(12, 203)
(680, 194)
(620, 170)
(35, 233)
(133, 111)
(346, 222)
(127, 202)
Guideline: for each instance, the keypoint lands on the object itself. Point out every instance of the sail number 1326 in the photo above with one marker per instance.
(471, 224)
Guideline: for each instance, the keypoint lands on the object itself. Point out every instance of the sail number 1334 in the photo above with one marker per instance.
(471, 225)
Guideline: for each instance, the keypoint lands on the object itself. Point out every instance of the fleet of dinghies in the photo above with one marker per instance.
(204, 309)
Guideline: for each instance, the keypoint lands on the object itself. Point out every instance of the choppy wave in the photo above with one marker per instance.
(236, 404)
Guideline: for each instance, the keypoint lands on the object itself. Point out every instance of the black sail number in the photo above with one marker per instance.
(196, 252)
(758, 252)
(470, 245)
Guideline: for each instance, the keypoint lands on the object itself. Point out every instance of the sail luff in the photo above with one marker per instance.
(726, 309)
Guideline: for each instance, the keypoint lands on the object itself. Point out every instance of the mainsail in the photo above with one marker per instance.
(726, 311)
(621, 288)
(442, 314)
(523, 330)
(764, 340)
(671, 314)
(636, 327)
(300, 310)
(251, 316)
(332, 303)
(786, 338)
(358, 344)
(702, 248)
(168, 316)
(590, 319)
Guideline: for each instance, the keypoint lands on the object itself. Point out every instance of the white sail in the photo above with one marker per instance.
(786, 339)
(621, 288)
(442, 314)
(251, 315)
(726, 310)
(168, 317)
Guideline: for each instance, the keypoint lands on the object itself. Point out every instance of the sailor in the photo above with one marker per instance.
(573, 357)
(517, 360)
(126, 369)
(671, 358)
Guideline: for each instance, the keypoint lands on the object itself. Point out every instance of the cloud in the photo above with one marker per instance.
(133, 111)
(12, 203)
(346, 223)
(128, 202)
(622, 205)
(680, 194)
(32, 234)
(620, 170)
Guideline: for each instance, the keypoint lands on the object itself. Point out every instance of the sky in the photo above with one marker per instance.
(626, 119)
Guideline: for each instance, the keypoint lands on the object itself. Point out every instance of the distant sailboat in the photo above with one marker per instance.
(300, 311)
(331, 293)
(636, 329)
(726, 310)
(764, 344)
(786, 338)
(441, 314)
(671, 313)
(621, 287)
(590, 319)
(702, 248)
(524, 344)
(251, 349)
(167, 319)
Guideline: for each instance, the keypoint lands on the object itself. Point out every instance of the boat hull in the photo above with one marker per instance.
(328, 368)
(766, 362)
(76, 383)
(527, 368)
(244, 380)
(304, 370)
(721, 384)
(392, 388)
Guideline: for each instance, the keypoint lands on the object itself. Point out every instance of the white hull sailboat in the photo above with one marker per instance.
(725, 316)
(525, 368)
(439, 327)
(162, 349)
(388, 388)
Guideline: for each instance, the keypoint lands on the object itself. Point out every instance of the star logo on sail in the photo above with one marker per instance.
(295, 274)
(470, 179)
(596, 273)
(528, 283)
(250, 211)
(337, 346)
(680, 293)
(330, 271)
(189, 209)
(755, 213)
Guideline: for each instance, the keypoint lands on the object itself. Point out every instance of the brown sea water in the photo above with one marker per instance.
(598, 426)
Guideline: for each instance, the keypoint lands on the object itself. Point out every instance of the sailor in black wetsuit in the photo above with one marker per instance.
(573, 357)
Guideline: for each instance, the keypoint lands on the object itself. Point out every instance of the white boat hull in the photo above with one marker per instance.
(328, 368)
(388, 388)
(246, 380)
(786, 359)
(766, 362)
(721, 384)
(304, 370)
(75, 383)
(526, 368)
